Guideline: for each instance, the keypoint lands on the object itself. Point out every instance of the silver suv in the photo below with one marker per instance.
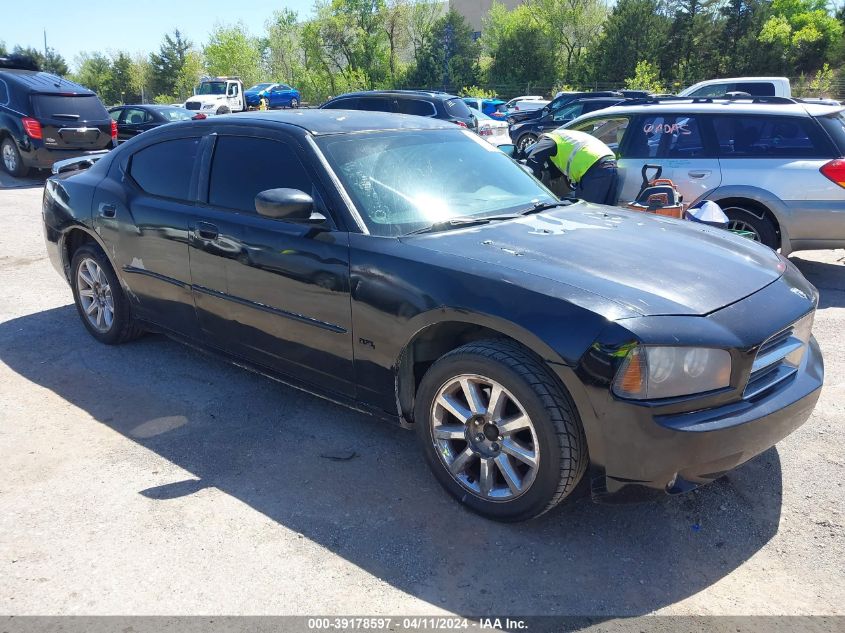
(775, 165)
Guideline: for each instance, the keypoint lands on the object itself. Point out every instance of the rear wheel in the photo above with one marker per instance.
(99, 299)
(294, 103)
(223, 110)
(498, 431)
(12, 161)
(754, 222)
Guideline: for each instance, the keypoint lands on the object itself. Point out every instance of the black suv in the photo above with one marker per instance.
(525, 133)
(565, 98)
(44, 119)
(434, 104)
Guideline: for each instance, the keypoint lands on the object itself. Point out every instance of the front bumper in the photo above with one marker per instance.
(656, 454)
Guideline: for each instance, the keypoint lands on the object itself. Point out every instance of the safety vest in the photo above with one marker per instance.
(576, 153)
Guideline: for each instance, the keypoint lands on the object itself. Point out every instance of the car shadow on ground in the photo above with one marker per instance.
(828, 277)
(34, 180)
(359, 488)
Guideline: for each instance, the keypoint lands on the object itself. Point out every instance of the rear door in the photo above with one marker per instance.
(72, 122)
(681, 144)
(613, 131)
(132, 122)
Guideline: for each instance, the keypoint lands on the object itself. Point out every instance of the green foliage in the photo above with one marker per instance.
(166, 65)
(231, 50)
(646, 77)
(477, 92)
(95, 73)
(449, 57)
(55, 63)
(635, 31)
(801, 31)
(165, 99)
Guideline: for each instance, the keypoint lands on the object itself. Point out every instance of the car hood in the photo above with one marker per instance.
(649, 264)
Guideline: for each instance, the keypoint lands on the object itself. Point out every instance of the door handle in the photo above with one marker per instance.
(207, 231)
(107, 210)
(703, 173)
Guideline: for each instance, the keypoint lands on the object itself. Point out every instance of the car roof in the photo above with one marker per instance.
(725, 106)
(37, 81)
(393, 93)
(320, 122)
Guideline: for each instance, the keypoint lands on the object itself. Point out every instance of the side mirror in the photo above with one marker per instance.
(284, 204)
(508, 149)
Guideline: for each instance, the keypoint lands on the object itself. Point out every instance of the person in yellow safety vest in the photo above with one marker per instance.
(585, 165)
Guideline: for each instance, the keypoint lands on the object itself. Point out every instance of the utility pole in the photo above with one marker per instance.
(45, 43)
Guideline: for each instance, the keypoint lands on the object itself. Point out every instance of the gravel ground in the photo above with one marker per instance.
(150, 479)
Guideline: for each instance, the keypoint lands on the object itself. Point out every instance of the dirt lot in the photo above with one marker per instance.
(149, 479)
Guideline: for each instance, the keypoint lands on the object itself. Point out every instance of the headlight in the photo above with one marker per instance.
(649, 373)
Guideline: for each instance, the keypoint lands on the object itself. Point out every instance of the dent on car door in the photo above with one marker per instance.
(141, 212)
(273, 291)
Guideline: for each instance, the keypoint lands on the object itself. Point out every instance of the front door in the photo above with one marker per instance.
(272, 291)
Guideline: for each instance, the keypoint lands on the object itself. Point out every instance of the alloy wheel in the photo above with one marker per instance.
(739, 225)
(95, 295)
(484, 437)
(10, 159)
(525, 142)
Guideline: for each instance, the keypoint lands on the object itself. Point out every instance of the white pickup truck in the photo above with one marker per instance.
(218, 95)
(755, 86)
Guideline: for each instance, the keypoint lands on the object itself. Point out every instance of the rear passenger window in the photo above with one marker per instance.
(768, 137)
(375, 104)
(457, 108)
(165, 169)
(243, 167)
(666, 136)
(415, 106)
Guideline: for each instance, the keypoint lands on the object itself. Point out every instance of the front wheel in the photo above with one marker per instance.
(294, 103)
(499, 432)
(223, 110)
(99, 299)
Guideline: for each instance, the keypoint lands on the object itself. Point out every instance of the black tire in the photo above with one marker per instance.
(524, 142)
(9, 153)
(560, 443)
(294, 103)
(123, 327)
(223, 110)
(747, 218)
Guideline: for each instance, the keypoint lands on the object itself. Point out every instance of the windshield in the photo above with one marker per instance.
(405, 181)
(258, 87)
(212, 88)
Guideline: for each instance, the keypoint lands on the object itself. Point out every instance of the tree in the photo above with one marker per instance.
(231, 50)
(803, 32)
(95, 73)
(284, 58)
(395, 25)
(450, 57)
(518, 49)
(646, 77)
(119, 88)
(189, 76)
(572, 27)
(166, 65)
(139, 76)
(691, 52)
(55, 63)
(635, 31)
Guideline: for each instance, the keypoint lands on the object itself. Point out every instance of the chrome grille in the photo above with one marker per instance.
(778, 357)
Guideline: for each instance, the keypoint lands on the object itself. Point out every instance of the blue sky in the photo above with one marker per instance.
(97, 25)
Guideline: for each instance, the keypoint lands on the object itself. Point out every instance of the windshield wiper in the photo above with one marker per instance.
(454, 223)
(539, 207)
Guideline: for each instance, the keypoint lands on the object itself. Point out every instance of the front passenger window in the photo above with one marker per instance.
(610, 131)
(243, 167)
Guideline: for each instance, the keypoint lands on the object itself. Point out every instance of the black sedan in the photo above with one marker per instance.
(133, 119)
(406, 268)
